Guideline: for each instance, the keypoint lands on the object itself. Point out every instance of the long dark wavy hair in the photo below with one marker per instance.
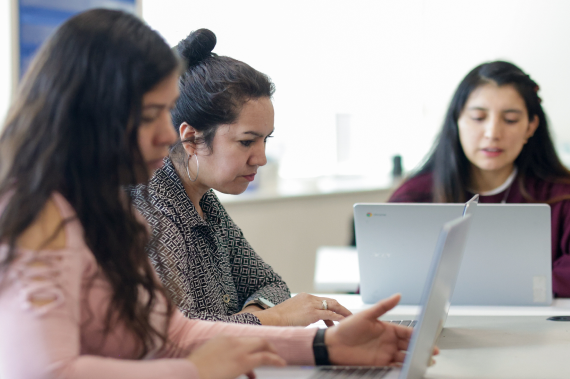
(447, 160)
(72, 129)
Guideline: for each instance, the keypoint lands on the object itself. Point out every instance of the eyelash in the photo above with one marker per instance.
(148, 120)
(507, 121)
(247, 143)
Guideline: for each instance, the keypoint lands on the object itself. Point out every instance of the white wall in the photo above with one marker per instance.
(392, 65)
(286, 232)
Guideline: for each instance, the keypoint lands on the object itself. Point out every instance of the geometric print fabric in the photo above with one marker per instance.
(206, 265)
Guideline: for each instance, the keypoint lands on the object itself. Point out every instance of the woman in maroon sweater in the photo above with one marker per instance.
(495, 142)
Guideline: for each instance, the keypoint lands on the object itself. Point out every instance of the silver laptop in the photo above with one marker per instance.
(507, 259)
(437, 291)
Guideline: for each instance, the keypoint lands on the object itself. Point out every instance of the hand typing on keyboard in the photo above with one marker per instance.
(364, 340)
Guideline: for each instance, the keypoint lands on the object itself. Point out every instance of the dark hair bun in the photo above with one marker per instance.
(197, 46)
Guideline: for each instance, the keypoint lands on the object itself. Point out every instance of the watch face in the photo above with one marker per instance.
(264, 303)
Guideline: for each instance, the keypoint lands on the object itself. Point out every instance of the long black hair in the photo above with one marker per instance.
(72, 129)
(447, 161)
(213, 89)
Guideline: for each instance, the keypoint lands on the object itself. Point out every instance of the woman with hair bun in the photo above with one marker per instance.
(495, 142)
(78, 295)
(224, 117)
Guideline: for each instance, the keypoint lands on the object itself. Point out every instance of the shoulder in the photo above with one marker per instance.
(416, 189)
(548, 191)
(212, 204)
(217, 212)
(46, 231)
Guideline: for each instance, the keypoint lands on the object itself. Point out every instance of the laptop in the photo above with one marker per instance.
(437, 292)
(507, 259)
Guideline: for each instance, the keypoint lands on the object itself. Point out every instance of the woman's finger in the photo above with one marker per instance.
(403, 332)
(328, 323)
(336, 307)
(400, 356)
(380, 308)
(328, 315)
(403, 344)
(250, 374)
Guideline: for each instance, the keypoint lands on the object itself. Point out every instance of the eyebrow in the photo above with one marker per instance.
(258, 134)
(158, 106)
(485, 109)
(154, 106)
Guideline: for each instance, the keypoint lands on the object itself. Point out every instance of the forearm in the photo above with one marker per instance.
(264, 317)
(292, 344)
(238, 318)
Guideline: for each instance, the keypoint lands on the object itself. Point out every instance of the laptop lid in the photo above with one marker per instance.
(470, 206)
(436, 295)
(507, 259)
(437, 291)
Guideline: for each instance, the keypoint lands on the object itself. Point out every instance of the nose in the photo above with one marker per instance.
(258, 157)
(493, 128)
(165, 133)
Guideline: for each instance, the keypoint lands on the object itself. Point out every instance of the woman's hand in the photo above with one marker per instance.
(229, 357)
(301, 310)
(364, 340)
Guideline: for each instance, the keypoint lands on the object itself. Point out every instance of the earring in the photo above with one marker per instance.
(188, 167)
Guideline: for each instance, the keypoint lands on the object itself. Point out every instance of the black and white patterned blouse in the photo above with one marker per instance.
(207, 266)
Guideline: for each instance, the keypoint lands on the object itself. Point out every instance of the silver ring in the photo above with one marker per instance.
(325, 306)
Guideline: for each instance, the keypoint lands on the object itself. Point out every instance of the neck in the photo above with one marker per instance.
(484, 181)
(194, 190)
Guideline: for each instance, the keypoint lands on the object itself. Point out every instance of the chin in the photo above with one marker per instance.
(491, 168)
(233, 190)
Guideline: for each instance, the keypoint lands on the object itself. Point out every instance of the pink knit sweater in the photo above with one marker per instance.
(63, 339)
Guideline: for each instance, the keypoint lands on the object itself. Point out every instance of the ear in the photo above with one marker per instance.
(532, 126)
(187, 132)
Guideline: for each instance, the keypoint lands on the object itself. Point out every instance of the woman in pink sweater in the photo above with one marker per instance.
(78, 296)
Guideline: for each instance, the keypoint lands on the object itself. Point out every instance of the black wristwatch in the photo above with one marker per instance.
(260, 302)
(320, 349)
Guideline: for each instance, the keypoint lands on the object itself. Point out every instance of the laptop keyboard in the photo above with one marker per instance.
(410, 323)
(346, 372)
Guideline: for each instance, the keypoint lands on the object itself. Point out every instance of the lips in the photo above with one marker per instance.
(250, 177)
(492, 151)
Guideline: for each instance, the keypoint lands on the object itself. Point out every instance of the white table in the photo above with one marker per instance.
(494, 342)
(559, 307)
(503, 347)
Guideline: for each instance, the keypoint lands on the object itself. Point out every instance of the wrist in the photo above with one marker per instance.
(261, 302)
(267, 317)
(252, 308)
(320, 349)
(336, 355)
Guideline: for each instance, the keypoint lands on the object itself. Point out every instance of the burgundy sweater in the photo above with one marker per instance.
(419, 190)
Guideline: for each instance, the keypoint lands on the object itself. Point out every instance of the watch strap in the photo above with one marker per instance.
(320, 349)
